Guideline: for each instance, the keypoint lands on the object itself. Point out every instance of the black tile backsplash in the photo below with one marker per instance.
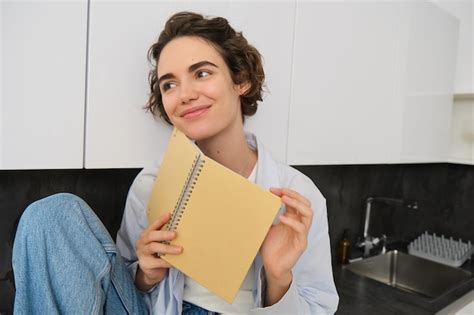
(104, 190)
(444, 192)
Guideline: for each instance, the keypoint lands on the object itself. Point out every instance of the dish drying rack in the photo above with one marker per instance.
(440, 249)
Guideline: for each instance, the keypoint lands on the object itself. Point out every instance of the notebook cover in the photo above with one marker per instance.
(174, 170)
(223, 225)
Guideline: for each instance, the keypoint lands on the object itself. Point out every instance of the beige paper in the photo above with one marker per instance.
(223, 224)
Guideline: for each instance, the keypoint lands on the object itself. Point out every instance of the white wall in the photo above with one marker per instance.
(462, 131)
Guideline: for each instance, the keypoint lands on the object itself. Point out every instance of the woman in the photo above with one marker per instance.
(207, 78)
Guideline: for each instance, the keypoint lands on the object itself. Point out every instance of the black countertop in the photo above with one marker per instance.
(361, 295)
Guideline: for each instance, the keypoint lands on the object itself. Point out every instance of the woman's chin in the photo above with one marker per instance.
(195, 133)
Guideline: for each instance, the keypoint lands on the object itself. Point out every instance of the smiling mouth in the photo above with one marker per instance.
(196, 113)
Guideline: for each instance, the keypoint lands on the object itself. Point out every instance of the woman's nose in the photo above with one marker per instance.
(187, 92)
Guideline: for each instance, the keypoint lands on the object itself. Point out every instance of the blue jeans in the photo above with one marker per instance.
(191, 309)
(65, 262)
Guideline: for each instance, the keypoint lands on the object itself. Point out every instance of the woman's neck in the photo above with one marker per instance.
(230, 149)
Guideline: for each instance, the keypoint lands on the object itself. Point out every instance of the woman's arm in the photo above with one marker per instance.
(138, 242)
(312, 289)
(285, 243)
(151, 268)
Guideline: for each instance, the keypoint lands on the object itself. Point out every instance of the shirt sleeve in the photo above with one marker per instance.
(134, 218)
(312, 290)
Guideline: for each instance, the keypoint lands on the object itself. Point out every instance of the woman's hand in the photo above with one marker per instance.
(151, 268)
(285, 243)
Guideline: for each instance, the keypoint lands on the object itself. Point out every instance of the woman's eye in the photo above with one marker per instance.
(167, 85)
(203, 73)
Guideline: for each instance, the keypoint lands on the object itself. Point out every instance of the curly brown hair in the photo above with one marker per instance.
(243, 60)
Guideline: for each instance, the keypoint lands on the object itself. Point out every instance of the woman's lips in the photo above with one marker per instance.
(196, 112)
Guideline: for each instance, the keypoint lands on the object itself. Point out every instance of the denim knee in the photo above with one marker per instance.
(48, 211)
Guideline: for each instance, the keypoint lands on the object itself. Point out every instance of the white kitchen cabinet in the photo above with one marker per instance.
(428, 83)
(348, 82)
(42, 87)
(118, 131)
(372, 83)
(464, 11)
(462, 123)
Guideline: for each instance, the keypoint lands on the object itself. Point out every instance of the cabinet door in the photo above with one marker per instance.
(269, 26)
(42, 84)
(464, 11)
(373, 83)
(462, 122)
(119, 132)
(346, 70)
(428, 83)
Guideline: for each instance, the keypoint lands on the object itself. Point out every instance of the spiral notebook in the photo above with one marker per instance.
(221, 218)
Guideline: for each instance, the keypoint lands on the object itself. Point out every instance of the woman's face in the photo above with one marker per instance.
(197, 90)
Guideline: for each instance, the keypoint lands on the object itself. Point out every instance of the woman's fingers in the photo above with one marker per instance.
(151, 263)
(157, 249)
(297, 205)
(298, 210)
(152, 240)
(276, 191)
(159, 236)
(151, 245)
(290, 193)
(296, 225)
(299, 229)
(154, 234)
(158, 224)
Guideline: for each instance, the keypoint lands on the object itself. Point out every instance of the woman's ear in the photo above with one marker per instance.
(244, 87)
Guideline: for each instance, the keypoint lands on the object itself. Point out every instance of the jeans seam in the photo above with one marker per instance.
(120, 294)
(96, 307)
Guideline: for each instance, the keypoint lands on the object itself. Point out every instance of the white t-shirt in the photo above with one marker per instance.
(198, 295)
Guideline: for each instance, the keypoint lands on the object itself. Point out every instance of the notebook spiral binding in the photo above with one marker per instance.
(186, 192)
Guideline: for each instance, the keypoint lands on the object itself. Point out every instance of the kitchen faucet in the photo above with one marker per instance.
(368, 242)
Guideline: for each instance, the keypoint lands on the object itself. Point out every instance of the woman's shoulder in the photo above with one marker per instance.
(288, 176)
(143, 182)
(294, 179)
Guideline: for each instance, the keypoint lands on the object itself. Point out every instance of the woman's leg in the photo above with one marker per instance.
(191, 309)
(64, 261)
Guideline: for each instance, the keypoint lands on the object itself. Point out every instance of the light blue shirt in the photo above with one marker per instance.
(312, 290)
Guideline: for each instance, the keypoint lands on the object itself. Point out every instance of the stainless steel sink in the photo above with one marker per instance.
(410, 273)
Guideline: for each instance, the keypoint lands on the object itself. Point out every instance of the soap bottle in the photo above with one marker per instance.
(343, 248)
